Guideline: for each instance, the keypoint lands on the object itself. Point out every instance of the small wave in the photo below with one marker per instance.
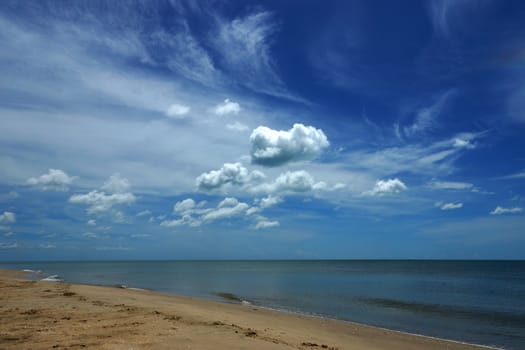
(491, 316)
(232, 297)
(53, 278)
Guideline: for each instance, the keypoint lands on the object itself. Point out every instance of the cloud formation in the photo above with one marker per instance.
(278, 147)
(390, 186)
(54, 180)
(100, 202)
(451, 206)
(264, 224)
(7, 218)
(227, 107)
(501, 210)
(177, 111)
(228, 174)
(193, 215)
(291, 181)
(116, 184)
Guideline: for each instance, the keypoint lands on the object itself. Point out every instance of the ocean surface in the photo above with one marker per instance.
(481, 302)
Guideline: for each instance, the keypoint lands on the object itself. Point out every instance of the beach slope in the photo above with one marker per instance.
(51, 315)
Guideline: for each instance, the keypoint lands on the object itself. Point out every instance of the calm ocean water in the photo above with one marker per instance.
(479, 302)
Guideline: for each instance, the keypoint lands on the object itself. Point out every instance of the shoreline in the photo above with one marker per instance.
(191, 321)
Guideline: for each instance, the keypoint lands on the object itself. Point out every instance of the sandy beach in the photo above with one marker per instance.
(51, 315)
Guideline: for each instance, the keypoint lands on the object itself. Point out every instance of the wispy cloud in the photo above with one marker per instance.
(451, 206)
(450, 185)
(501, 210)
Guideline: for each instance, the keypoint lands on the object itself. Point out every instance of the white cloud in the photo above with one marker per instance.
(100, 202)
(230, 173)
(237, 126)
(426, 118)
(193, 215)
(270, 201)
(7, 218)
(501, 210)
(54, 180)
(228, 208)
(177, 111)
(116, 184)
(184, 220)
(460, 143)
(263, 224)
(390, 186)
(277, 147)
(144, 213)
(450, 185)
(244, 47)
(184, 206)
(92, 222)
(451, 206)
(291, 181)
(227, 107)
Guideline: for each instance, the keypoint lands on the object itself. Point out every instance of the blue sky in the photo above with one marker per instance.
(262, 129)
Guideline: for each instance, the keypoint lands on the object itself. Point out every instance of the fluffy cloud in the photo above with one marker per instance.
(227, 107)
(100, 202)
(500, 210)
(230, 173)
(54, 180)
(144, 213)
(389, 186)
(184, 205)
(7, 218)
(92, 222)
(191, 215)
(228, 208)
(277, 147)
(451, 206)
(177, 111)
(291, 181)
(116, 184)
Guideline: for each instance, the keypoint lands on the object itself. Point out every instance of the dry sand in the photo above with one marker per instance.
(51, 315)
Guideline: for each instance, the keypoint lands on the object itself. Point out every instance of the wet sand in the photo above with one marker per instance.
(52, 315)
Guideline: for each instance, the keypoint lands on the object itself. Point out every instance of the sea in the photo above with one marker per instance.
(479, 302)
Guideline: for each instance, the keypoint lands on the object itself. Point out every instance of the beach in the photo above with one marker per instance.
(59, 315)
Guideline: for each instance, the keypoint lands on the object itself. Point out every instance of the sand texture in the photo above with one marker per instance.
(50, 315)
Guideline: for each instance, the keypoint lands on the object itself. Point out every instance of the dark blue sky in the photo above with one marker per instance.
(262, 129)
